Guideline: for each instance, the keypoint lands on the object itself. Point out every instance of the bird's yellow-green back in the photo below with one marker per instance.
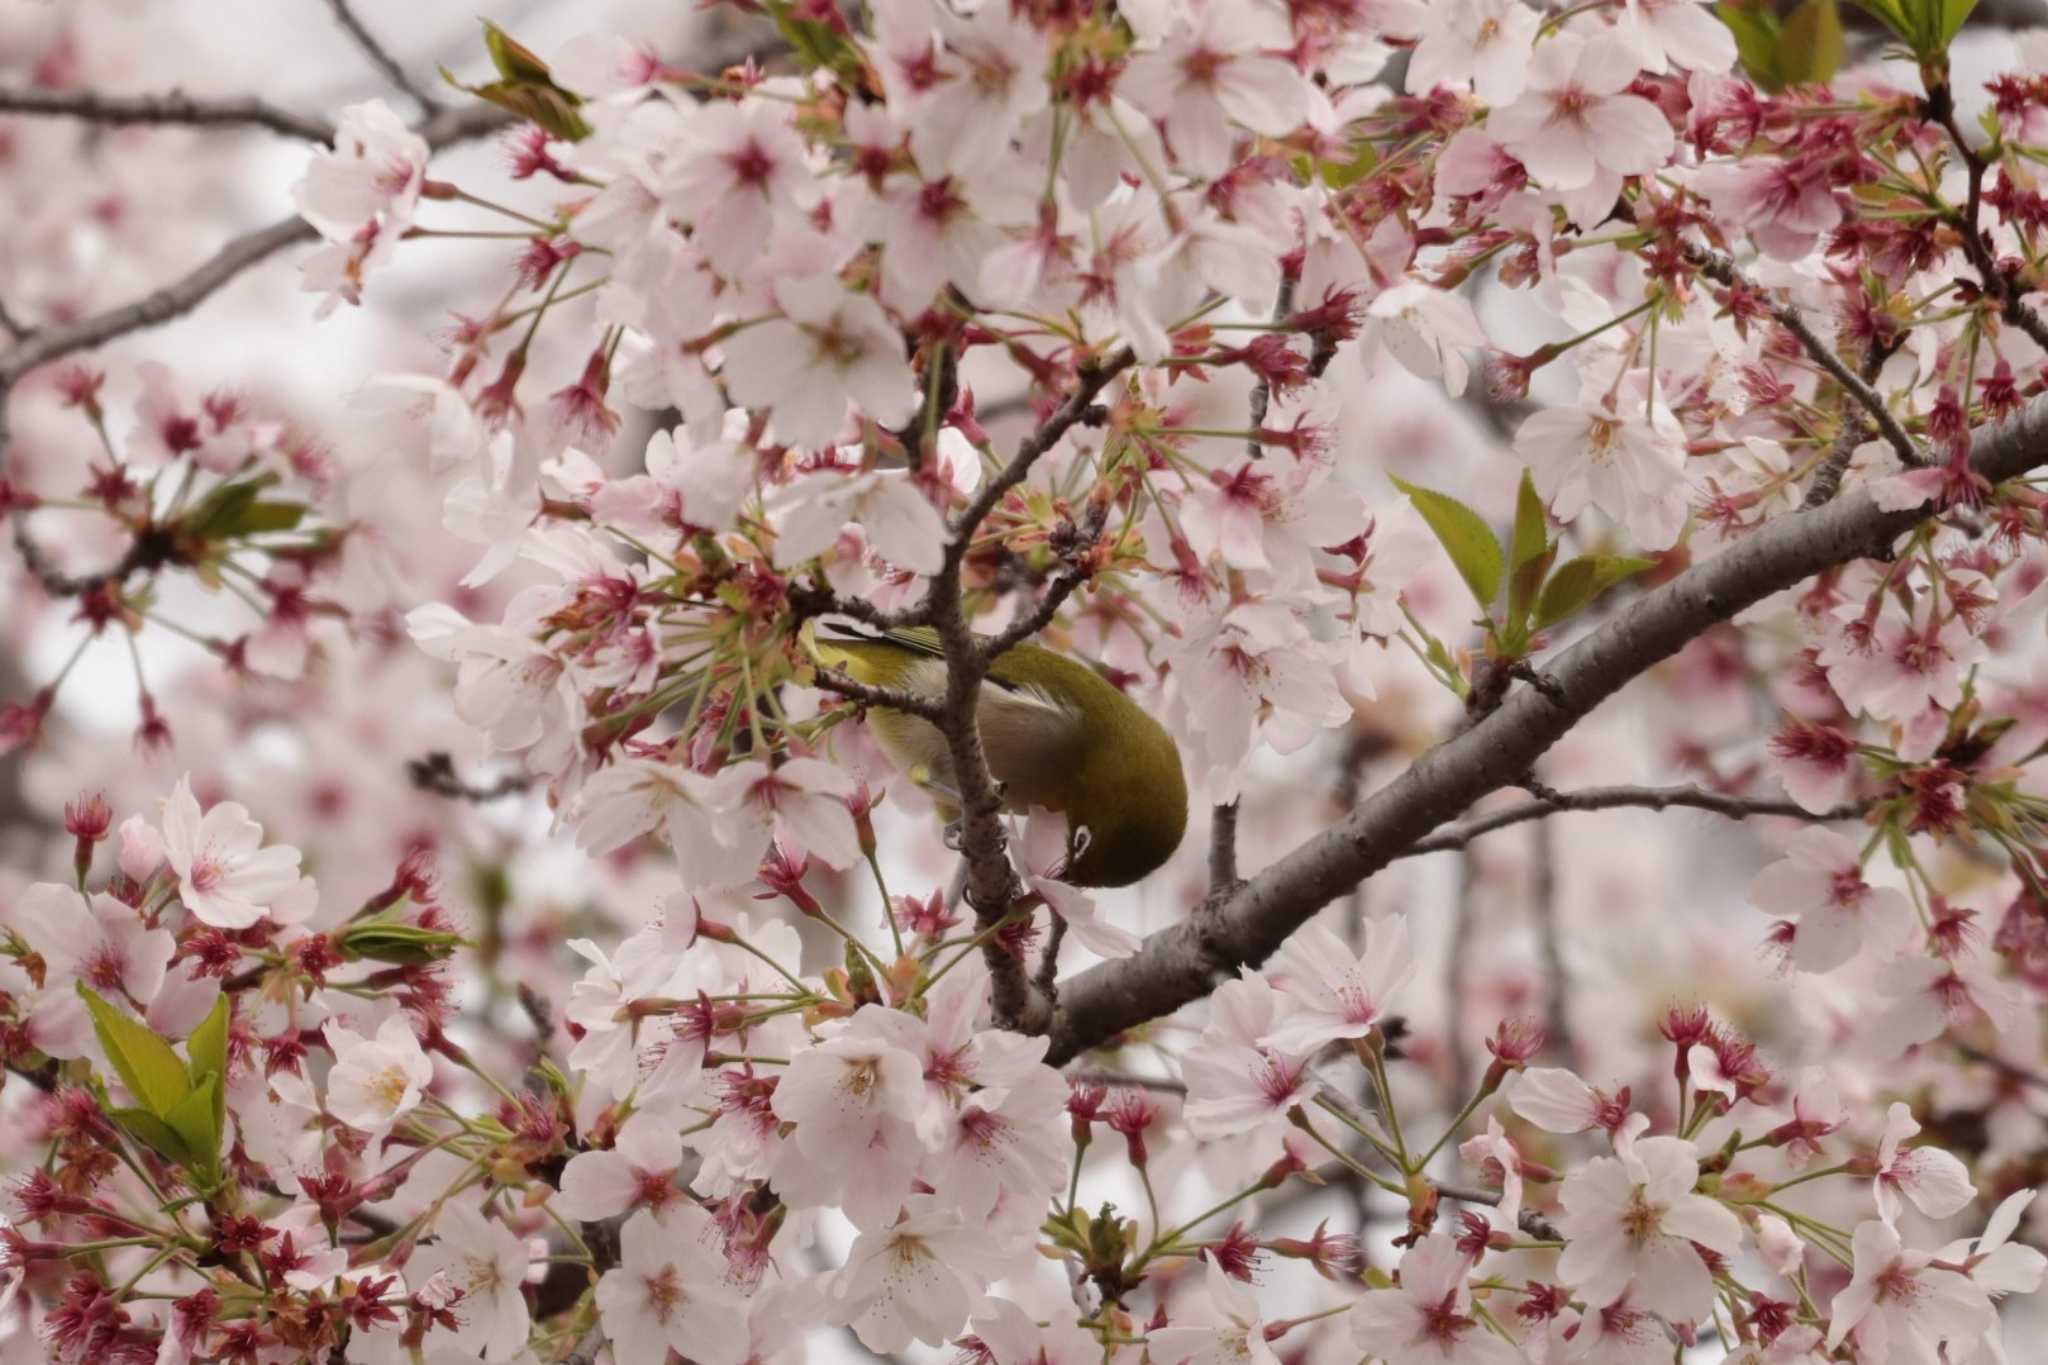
(1056, 733)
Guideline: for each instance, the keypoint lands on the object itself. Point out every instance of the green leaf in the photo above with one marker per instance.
(145, 1063)
(1339, 175)
(1581, 580)
(207, 1051)
(254, 518)
(1465, 537)
(1523, 586)
(400, 944)
(1532, 530)
(1953, 14)
(153, 1133)
(515, 62)
(192, 1120)
(818, 44)
(1892, 14)
(1811, 45)
(1756, 41)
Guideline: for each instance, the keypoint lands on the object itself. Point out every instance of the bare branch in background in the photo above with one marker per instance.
(1557, 982)
(1615, 798)
(13, 326)
(1182, 963)
(170, 107)
(379, 55)
(436, 773)
(1464, 923)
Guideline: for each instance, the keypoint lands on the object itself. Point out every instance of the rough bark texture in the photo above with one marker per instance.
(1182, 963)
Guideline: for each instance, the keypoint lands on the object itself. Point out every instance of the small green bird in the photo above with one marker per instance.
(1057, 734)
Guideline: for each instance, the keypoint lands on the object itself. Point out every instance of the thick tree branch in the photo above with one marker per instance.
(380, 56)
(1223, 877)
(1182, 963)
(171, 107)
(1615, 798)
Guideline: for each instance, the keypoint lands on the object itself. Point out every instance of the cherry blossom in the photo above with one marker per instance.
(1934, 1181)
(1628, 467)
(1333, 993)
(225, 875)
(667, 1293)
(1900, 1306)
(1631, 1222)
(1820, 882)
(376, 1080)
(1428, 1317)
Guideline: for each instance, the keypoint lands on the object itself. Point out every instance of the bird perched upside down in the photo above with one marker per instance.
(1056, 734)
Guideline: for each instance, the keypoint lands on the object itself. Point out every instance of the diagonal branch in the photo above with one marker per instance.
(380, 56)
(186, 293)
(1722, 271)
(172, 107)
(1182, 963)
(1615, 798)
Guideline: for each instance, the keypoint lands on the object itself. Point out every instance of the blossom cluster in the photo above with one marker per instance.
(1051, 319)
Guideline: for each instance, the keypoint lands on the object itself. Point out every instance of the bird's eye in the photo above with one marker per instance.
(1078, 841)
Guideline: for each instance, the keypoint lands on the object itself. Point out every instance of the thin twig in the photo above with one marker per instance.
(871, 694)
(1996, 282)
(379, 56)
(1722, 271)
(1612, 798)
(169, 107)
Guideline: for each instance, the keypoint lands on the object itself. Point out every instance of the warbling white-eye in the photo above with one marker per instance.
(1056, 734)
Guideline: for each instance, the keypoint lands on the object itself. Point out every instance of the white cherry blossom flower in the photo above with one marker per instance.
(225, 875)
(1630, 1223)
(668, 1292)
(376, 1081)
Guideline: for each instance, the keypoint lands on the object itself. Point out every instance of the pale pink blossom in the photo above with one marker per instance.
(1933, 1180)
(1683, 33)
(1485, 42)
(1900, 1307)
(375, 169)
(1427, 1319)
(1630, 468)
(853, 1100)
(376, 1081)
(225, 876)
(801, 805)
(94, 939)
(1787, 207)
(637, 1171)
(1234, 1333)
(828, 349)
(900, 521)
(1573, 122)
(1334, 993)
(668, 1292)
(1428, 330)
(1222, 67)
(1236, 1083)
(740, 168)
(1630, 1223)
(1008, 1143)
(914, 1280)
(1820, 884)
(485, 1262)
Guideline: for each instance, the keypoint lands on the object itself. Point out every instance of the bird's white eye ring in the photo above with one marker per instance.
(1078, 841)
